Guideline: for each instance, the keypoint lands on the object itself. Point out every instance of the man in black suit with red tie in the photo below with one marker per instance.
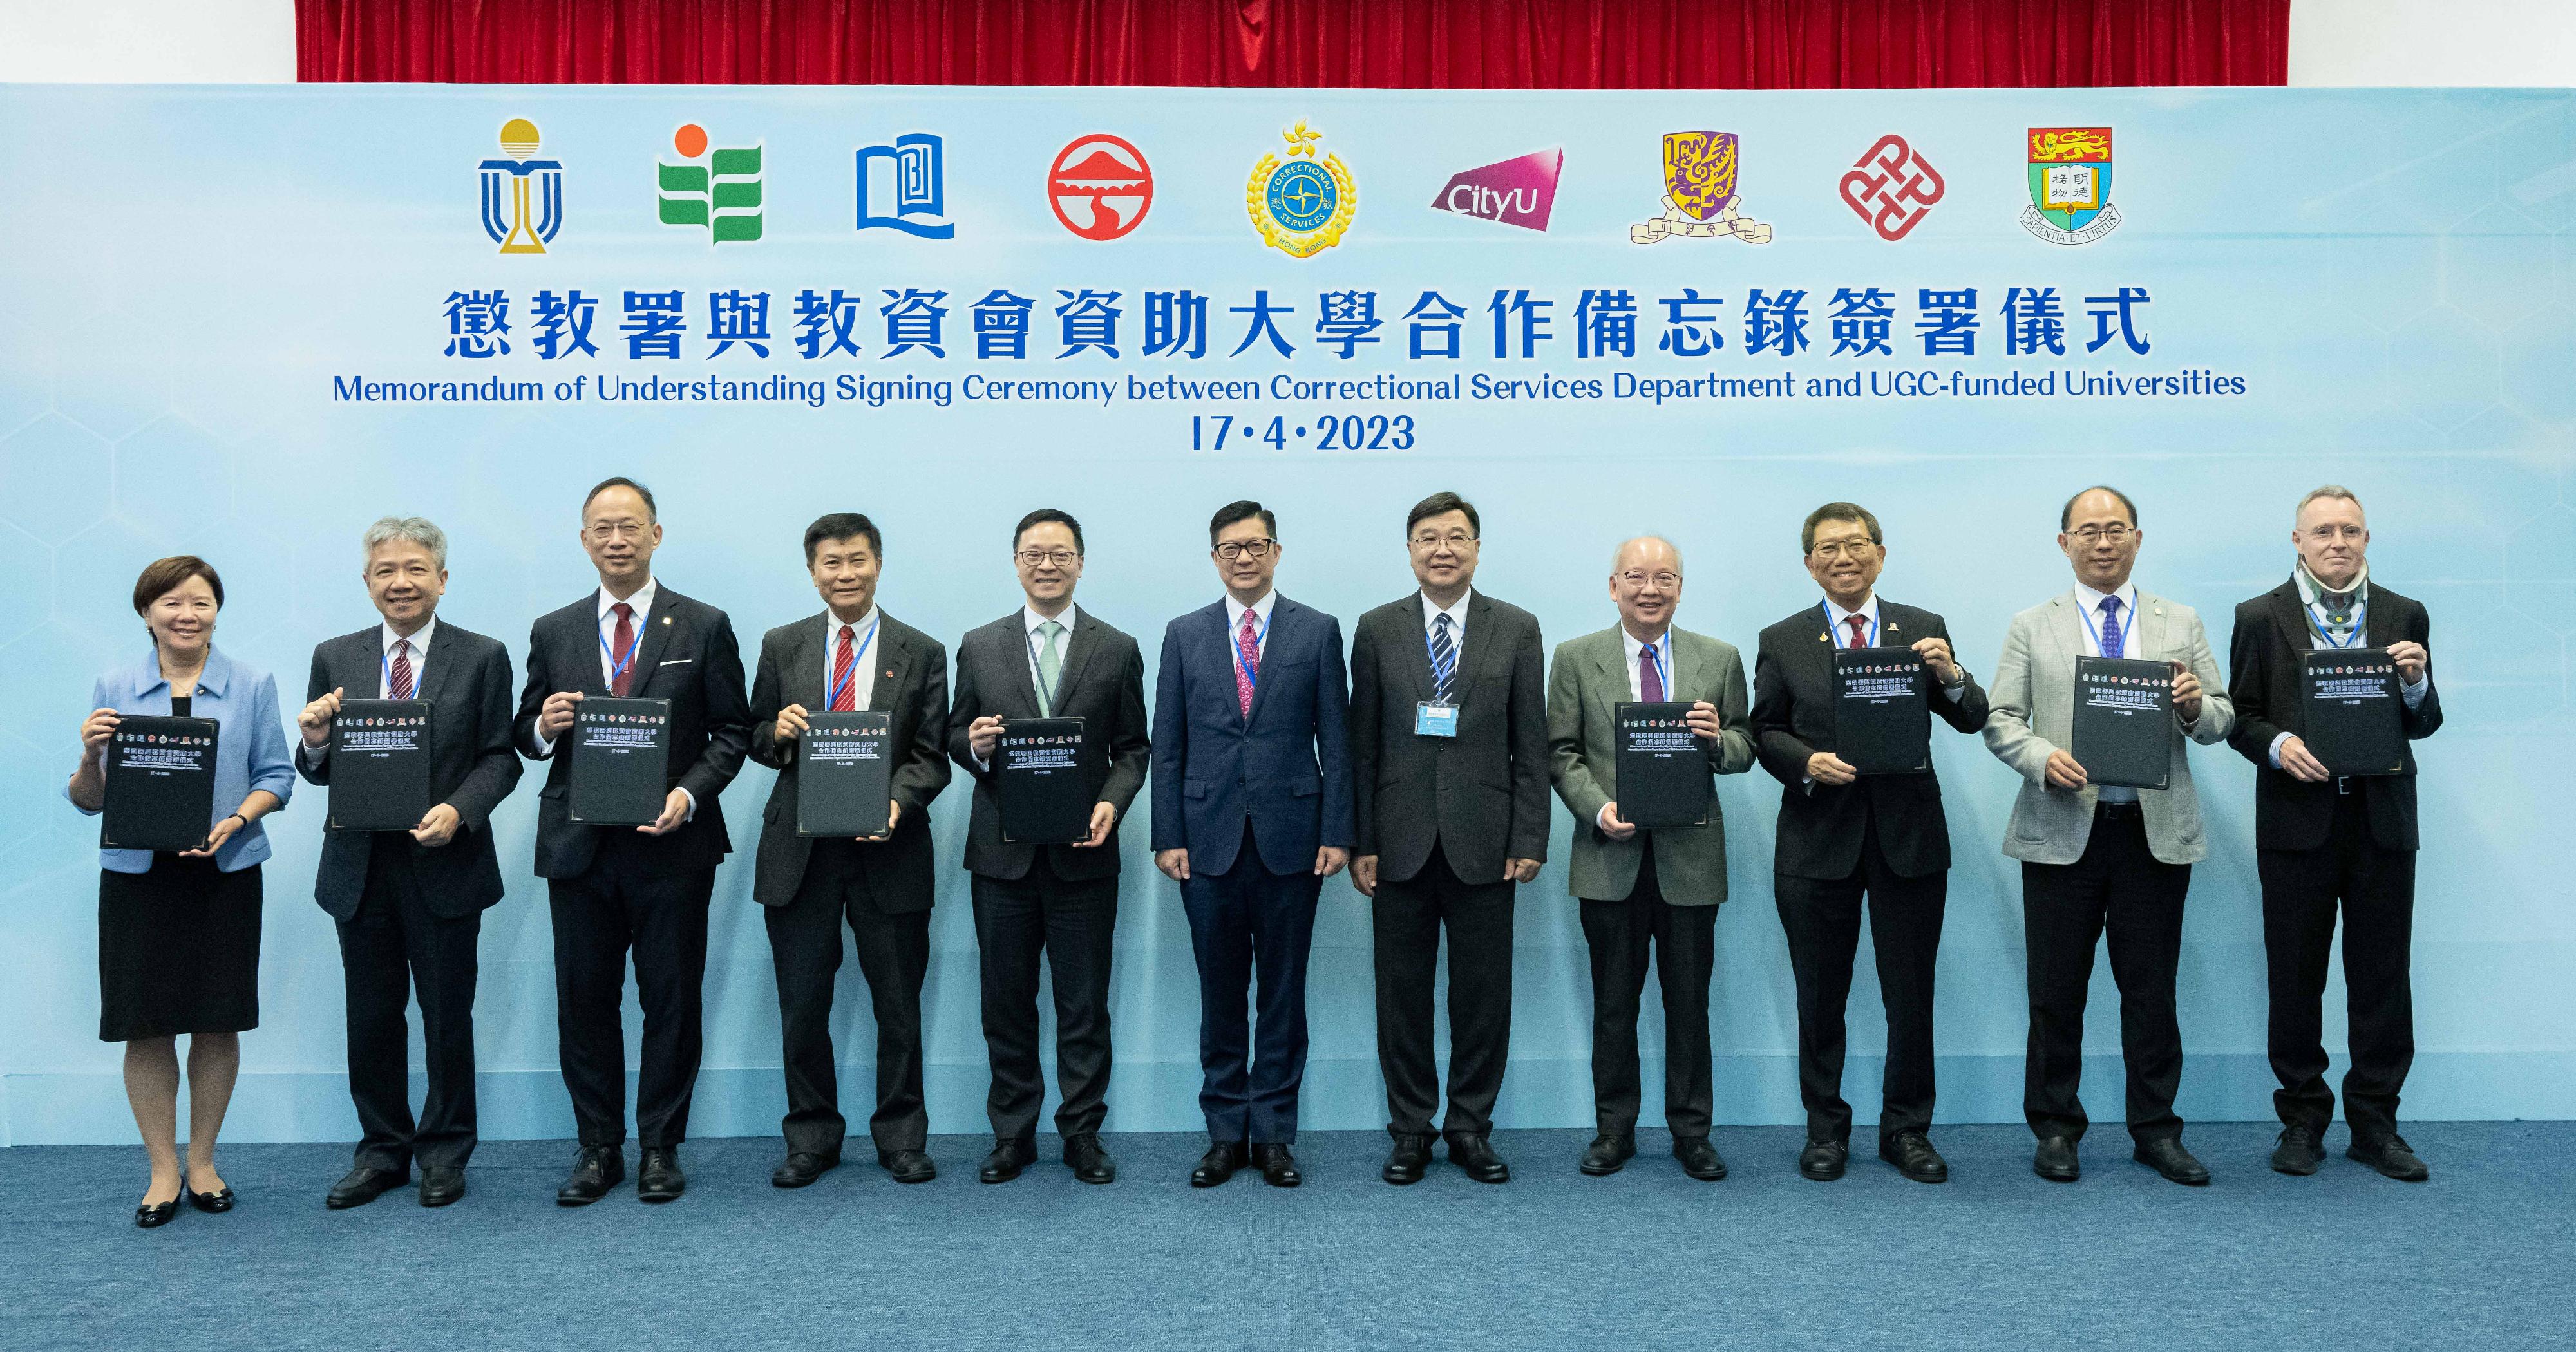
(1844, 837)
(645, 889)
(851, 657)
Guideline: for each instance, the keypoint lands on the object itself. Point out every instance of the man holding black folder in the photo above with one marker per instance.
(2325, 839)
(851, 657)
(1047, 662)
(410, 911)
(2101, 858)
(1847, 831)
(643, 888)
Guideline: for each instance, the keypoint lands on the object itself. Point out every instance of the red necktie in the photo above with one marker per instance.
(844, 690)
(1858, 623)
(1247, 664)
(622, 650)
(399, 683)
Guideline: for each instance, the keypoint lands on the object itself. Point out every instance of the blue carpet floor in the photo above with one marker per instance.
(2483, 1256)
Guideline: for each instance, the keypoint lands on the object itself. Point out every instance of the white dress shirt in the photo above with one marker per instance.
(1260, 624)
(315, 755)
(1671, 666)
(863, 671)
(2091, 623)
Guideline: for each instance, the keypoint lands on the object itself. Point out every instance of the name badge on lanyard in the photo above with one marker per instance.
(1435, 718)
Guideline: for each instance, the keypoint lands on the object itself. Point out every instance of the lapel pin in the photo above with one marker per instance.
(889, 673)
(666, 619)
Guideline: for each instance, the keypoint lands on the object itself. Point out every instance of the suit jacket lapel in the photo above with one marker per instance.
(1272, 646)
(441, 658)
(2068, 624)
(2379, 626)
(2290, 617)
(1417, 661)
(585, 638)
(656, 638)
(1078, 647)
(1476, 648)
(893, 655)
(2151, 628)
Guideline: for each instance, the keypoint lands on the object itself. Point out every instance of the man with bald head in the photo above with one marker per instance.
(1637, 887)
(2323, 841)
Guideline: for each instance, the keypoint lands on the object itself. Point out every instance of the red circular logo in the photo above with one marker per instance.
(1100, 186)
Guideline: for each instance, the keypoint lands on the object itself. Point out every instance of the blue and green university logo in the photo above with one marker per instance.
(522, 197)
(1303, 203)
(717, 191)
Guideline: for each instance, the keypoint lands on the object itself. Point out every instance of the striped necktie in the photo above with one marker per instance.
(1444, 658)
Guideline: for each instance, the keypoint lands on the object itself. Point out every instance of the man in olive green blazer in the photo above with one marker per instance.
(1639, 886)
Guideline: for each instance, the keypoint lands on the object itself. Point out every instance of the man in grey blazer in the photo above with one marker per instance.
(1639, 886)
(2099, 859)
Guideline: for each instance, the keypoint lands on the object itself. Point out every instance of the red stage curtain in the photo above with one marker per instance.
(1451, 44)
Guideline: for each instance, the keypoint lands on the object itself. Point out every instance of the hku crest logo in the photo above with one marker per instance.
(1100, 187)
(914, 187)
(1892, 187)
(2070, 185)
(1514, 192)
(522, 198)
(720, 196)
(1700, 192)
(1303, 203)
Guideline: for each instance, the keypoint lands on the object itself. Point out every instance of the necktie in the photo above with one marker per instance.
(845, 694)
(398, 684)
(1050, 666)
(1444, 658)
(1858, 624)
(1650, 676)
(1247, 664)
(2113, 641)
(621, 647)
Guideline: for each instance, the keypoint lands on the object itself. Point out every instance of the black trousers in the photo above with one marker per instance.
(1068, 922)
(2376, 890)
(1685, 958)
(1249, 925)
(2120, 889)
(392, 946)
(1406, 919)
(894, 956)
(624, 903)
(1822, 920)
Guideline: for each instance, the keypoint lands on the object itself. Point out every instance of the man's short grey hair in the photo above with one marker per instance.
(2324, 491)
(1622, 551)
(419, 530)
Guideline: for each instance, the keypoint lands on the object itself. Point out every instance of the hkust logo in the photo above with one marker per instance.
(912, 172)
(1513, 192)
(2070, 185)
(1302, 203)
(1100, 187)
(1700, 192)
(522, 197)
(717, 191)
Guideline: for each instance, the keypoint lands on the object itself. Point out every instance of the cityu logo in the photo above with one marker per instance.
(1514, 192)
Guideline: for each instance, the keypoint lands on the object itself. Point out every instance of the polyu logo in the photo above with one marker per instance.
(1514, 192)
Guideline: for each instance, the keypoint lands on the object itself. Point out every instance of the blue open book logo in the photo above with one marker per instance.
(914, 187)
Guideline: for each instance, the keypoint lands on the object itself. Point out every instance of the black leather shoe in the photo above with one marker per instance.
(1278, 1166)
(1219, 1164)
(364, 1184)
(1912, 1154)
(659, 1178)
(1007, 1160)
(2166, 1156)
(2299, 1152)
(2054, 1160)
(1089, 1162)
(1699, 1158)
(1608, 1154)
(1475, 1154)
(1823, 1161)
(218, 1201)
(154, 1215)
(597, 1169)
(2390, 1155)
(441, 1184)
(801, 1168)
(1407, 1161)
(908, 1166)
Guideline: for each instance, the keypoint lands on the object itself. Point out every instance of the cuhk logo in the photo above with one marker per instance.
(1100, 187)
(1514, 192)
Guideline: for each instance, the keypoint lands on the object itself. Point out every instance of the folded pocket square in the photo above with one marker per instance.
(679, 661)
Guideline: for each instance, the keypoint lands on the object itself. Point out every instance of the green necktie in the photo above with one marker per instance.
(1050, 665)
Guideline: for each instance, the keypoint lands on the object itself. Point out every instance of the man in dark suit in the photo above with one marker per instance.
(1844, 836)
(1252, 811)
(2323, 840)
(1048, 659)
(851, 657)
(612, 889)
(1449, 774)
(410, 910)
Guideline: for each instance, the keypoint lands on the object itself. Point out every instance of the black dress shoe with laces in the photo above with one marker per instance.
(2300, 1152)
(908, 1166)
(1219, 1164)
(801, 1168)
(1823, 1161)
(1475, 1154)
(659, 1178)
(594, 1171)
(2054, 1160)
(362, 1185)
(1089, 1162)
(2166, 1156)
(1608, 1154)
(1407, 1161)
(2390, 1155)
(1912, 1154)
(1278, 1165)
(441, 1184)
(1009, 1157)
(1699, 1159)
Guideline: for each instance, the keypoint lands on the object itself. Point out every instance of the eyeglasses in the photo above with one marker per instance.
(611, 530)
(1238, 549)
(1037, 558)
(1663, 581)
(1844, 549)
(2114, 533)
(1455, 540)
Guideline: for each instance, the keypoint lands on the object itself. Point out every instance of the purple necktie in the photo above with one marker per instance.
(1650, 675)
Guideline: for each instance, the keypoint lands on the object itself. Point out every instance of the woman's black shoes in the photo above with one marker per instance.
(217, 1201)
(153, 1215)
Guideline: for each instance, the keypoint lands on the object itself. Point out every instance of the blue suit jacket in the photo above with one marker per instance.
(1287, 767)
(250, 745)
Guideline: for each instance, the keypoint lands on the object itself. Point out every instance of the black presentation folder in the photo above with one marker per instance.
(2352, 711)
(621, 756)
(1663, 775)
(1044, 782)
(1882, 710)
(845, 774)
(379, 765)
(2124, 722)
(160, 783)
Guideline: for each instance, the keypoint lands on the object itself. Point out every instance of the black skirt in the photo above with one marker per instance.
(178, 950)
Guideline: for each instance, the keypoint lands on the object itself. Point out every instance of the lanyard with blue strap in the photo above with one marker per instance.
(832, 688)
(1663, 665)
(617, 665)
(1441, 669)
(2360, 621)
(2085, 614)
(1251, 671)
(1869, 640)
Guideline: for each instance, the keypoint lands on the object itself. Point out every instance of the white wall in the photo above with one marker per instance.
(144, 41)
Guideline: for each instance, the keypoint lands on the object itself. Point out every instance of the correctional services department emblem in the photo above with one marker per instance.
(522, 198)
(720, 196)
(1699, 192)
(1303, 203)
(2070, 185)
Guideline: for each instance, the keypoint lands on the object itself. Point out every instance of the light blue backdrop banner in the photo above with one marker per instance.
(244, 324)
